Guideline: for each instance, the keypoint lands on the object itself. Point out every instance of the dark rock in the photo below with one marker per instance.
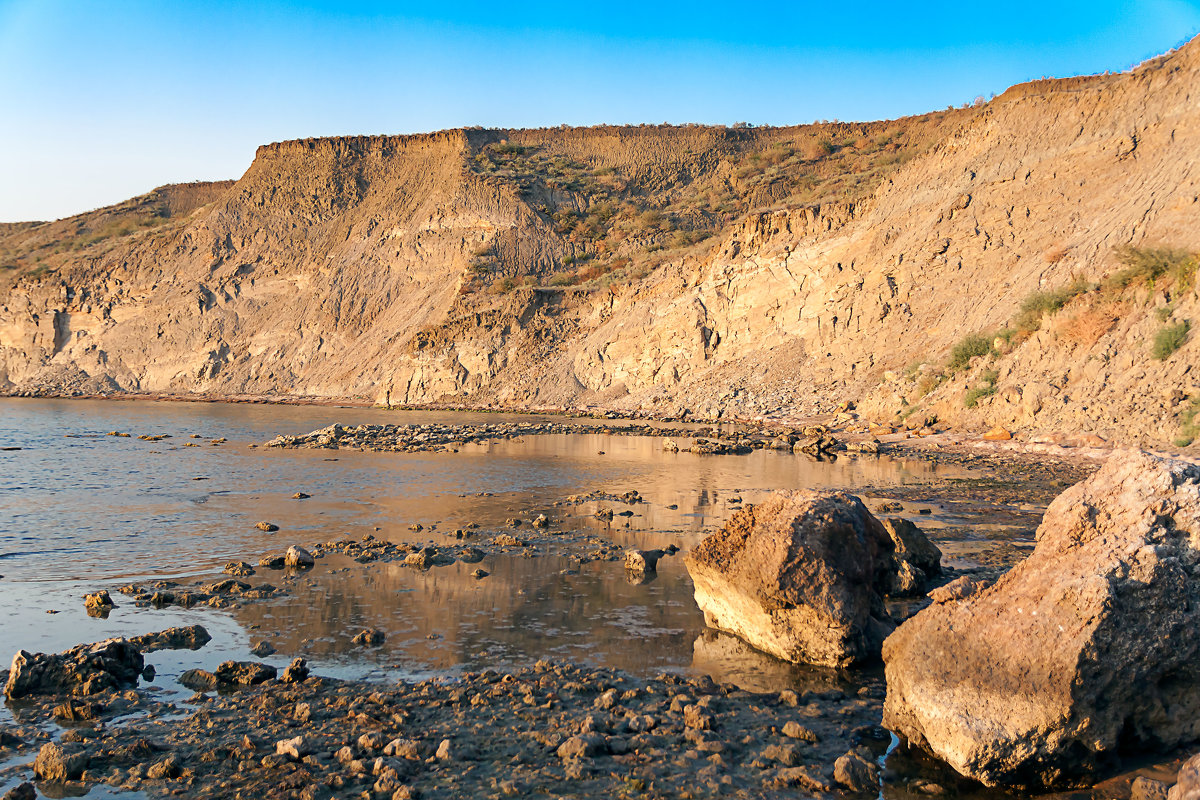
(74, 711)
(856, 773)
(24, 791)
(915, 559)
(84, 669)
(98, 604)
(191, 637)
(227, 586)
(585, 745)
(166, 768)
(296, 672)
(369, 637)
(199, 680)
(642, 561)
(263, 649)
(244, 673)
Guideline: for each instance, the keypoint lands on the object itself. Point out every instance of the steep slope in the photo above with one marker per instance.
(748, 272)
(327, 269)
(818, 304)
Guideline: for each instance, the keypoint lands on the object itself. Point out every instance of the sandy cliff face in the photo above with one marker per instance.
(753, 272)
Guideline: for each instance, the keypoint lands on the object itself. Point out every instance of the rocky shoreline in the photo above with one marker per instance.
(703, 440)
(550, 728)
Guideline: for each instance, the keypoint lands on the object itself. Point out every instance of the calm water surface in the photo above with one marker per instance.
(80, 510)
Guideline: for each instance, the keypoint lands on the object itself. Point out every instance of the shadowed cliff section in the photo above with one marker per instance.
(759, 272)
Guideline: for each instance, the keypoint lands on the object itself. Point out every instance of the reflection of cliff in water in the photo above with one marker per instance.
(548, 606)
(527, 609)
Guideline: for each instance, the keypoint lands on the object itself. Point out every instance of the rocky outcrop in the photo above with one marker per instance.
(245, 673)
(298, 558)
(801, 576)
(84, 669)
(915, 559)
(1087, 647)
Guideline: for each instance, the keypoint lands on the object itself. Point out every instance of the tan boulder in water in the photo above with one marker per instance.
(801, 576)
(1088, 646)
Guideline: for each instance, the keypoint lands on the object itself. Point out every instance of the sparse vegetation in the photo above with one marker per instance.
(646, 214)
(1169, 339)
(1146, 265)
(1087, 326)
(1189, 422)
(970, 346)
(1034, 307)
(985, 388)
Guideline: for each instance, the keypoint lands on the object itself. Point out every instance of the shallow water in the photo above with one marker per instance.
(80, 510)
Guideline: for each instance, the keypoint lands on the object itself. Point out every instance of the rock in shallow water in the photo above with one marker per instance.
(82, 670)
(801, 576)
(58, 763)
(298, 558)
(191, 637)
(1088, 645)
(245, 673)
(642, 561)
(915, 561)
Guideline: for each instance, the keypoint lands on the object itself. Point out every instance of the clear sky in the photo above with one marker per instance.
(101, 100)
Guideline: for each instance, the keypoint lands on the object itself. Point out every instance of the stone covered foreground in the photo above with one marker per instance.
(547, 730)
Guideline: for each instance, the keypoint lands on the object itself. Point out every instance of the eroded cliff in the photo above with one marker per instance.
(748, 272)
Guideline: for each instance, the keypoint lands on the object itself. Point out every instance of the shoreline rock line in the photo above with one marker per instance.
(813, 440)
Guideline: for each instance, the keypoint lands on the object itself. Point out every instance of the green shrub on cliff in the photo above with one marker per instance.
(986, 388)
(970, 346)
(1170, 339)
(1038, 304)
(1145, 265)
(1189, 423)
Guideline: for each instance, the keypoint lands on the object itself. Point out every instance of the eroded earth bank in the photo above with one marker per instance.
(1027, 262)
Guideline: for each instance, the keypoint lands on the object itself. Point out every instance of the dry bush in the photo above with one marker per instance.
(1056, 254)
(1086, 327)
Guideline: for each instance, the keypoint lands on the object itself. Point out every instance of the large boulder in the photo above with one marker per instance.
(1090, 645)
(801, 576)
(84, 669)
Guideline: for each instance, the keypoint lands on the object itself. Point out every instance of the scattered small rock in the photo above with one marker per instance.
(370, 637)
(244, 673)
(298, 558)
(263, 649)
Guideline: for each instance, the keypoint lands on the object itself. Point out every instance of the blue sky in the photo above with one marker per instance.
(100, 101)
